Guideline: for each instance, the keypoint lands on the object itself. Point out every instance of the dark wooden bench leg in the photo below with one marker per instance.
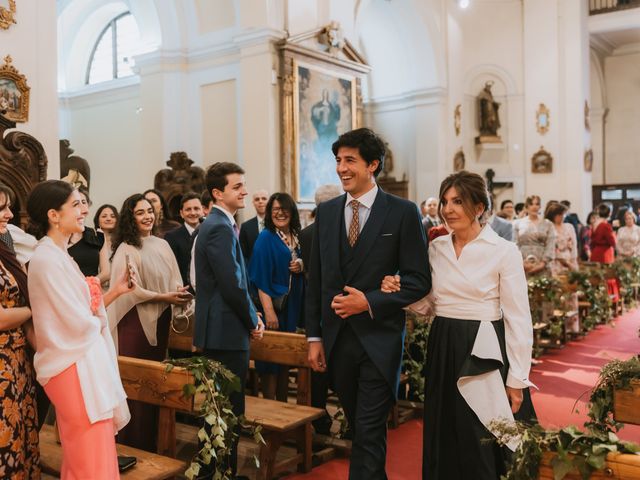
(268, 453)
(305, 442)
(167, 432)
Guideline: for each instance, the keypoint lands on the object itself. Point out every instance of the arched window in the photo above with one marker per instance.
(111, 56)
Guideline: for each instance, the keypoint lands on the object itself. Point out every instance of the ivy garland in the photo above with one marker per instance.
(214, 384)
(595, 293)
(416, 353)
(627, 271)
(546, 290)
(584, 451)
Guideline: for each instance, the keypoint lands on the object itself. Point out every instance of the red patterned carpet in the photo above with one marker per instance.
(563, 376)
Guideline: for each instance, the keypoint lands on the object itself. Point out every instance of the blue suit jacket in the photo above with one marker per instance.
(225, 314)
(392, 242)
(502, 227)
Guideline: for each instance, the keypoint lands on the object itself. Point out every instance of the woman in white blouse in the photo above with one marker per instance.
(75, 359)
(629, 237)
(479, 347)
(139, 321)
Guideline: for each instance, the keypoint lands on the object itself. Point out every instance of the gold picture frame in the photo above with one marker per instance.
(542, 162)
(320, 99)
(14, 93)
(457, 119)
(459, 161)
(8, 15)
(588, 160)
(542, 119)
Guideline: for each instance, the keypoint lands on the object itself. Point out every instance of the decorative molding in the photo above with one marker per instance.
(412, 99)
(8, 15)
(100, 94)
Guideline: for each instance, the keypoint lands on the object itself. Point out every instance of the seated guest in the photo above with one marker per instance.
(629, 236)
(180, 239)
(250, 229)
(19, 454)
(75, 359)
(276, 271)
(139, 321)
(85, 246)
(163, 220)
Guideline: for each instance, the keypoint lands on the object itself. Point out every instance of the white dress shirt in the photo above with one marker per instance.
(364, 210)
(486, 283)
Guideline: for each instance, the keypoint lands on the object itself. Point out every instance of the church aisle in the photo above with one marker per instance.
(562, 377)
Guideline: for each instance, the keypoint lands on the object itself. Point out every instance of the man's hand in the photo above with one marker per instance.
(390, 284)
(258, 332)
(515, 398)
(352, 303)
(272, 320)
(316, 357)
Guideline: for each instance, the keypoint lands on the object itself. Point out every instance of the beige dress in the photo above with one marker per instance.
(628, 241)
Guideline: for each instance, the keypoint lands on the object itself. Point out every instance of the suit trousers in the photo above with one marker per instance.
(366, 398)
(237, 361)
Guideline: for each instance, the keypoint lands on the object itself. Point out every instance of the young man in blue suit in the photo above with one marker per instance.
(355, 331)
(225, 316)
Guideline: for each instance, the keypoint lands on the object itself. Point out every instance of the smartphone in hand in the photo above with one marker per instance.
(129, 277)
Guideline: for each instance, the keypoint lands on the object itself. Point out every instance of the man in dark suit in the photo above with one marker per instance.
(250, 229)
(225, 316)
(354, 330)
(431, 217)
(179, 239)
(572, 217)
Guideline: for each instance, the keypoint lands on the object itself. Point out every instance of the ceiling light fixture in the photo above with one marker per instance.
(464, 3)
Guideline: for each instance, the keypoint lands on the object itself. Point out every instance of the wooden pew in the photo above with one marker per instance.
(618, 466)
(626, 403)
(148, 381)
(149, 466)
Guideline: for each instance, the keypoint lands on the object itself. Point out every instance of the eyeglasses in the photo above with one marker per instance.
(279, 210)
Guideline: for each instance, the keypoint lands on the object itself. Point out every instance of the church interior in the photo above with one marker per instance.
(539, 97)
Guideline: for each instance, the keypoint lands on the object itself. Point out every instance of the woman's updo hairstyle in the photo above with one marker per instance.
(50, 194)
(472, 190)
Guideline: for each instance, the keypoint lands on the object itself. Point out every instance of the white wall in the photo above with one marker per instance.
(31, 42)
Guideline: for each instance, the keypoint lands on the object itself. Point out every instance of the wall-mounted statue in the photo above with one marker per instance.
(73, 169)
(489, 119)
(181, 178)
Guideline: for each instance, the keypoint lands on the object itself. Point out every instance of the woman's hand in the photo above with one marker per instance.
(120, 288)
(515, 398)
(271, 320)
(390, 284)
(179, 297)
(295, 266)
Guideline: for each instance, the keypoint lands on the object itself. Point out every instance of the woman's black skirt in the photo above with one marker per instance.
(457, 446)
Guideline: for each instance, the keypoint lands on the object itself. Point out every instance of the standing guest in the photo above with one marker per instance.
(225, 315)
(629, 236)
(479, 347)
(501, 226)
(180, 239)
(519, 210)
(75, 358)
(507, 208)
(105, 222)
(585, 237)
(275, 270)
(423, 208)
(319, 380)
(354, 330)
(139, 320)
(431, 219)
(19, 453)
(250, 229)
(207, 204)
(85, 247)
(603, 240)
(535, 237)
(571, 217)
(161, 212)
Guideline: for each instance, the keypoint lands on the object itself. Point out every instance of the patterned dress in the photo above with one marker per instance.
(19, 454)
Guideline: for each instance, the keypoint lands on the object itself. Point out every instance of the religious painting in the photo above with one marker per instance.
(324, 109)
(542, 119)
(458, 161)
(541, 162)
(321, 98)
(7, 13)
(14, 93)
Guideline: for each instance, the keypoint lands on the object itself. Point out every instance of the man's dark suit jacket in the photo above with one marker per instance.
(306, 238)
(248, 235)
(391, 242)
(180, 242)
(225, 315)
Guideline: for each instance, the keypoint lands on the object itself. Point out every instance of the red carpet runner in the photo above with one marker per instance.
(562, 377)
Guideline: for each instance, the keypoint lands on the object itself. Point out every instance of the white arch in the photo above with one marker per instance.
(489, 71)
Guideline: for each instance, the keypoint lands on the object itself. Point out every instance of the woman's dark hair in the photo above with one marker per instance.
(164, 207)
(96, 217)
(603, 210)
(504, 204)
(519, 207)
(553, 210)
(127, 230)
(7, 256)
(50, 194)
(7, 192)
(288, 204)
(85, 191)
(369, 145)
(589, 217)
(472, 190)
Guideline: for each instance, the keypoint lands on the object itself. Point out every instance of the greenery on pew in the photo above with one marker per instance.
(586, 451)
(415, 353)
(214, 384)
(593, 287)
(546, 290)
(627, 271)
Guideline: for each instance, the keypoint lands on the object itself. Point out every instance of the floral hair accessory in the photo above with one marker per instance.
(96, 293)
